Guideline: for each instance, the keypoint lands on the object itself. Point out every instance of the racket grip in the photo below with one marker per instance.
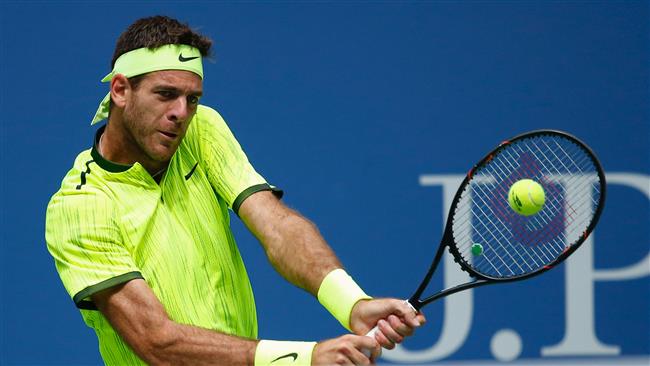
(370, 334)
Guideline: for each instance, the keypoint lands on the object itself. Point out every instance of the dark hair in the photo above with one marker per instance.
(157, 31)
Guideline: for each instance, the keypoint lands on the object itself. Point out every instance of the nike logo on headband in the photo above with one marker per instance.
(185, 59)
(294, 355)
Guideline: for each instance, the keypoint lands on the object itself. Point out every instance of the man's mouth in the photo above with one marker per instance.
(168, 134)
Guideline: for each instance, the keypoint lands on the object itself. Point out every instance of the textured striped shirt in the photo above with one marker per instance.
(111, 223)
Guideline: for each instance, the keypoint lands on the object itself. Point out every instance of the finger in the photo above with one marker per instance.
(421, 318)
(383, 340)
(400, 327)
(359, 344)
(375, 351)
(407, 313)
(389, 331)
(344, 356)
(358, 358)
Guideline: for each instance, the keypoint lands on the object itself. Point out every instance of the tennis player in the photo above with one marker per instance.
(140, 235)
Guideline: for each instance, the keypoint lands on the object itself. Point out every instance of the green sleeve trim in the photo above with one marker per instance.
(91, 290)
(254, 189)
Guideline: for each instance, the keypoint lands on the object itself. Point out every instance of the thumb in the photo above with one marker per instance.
(369, 346)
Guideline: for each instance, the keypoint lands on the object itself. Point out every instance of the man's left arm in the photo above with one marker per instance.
(299, 253)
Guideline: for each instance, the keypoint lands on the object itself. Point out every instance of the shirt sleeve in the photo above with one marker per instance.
(227, 167)
(86, 243)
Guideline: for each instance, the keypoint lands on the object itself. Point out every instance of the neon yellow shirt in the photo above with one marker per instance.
(110, 223)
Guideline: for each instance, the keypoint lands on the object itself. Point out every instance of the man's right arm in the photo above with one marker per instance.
(140, 319)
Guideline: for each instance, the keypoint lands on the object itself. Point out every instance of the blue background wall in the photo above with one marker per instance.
(348, 107)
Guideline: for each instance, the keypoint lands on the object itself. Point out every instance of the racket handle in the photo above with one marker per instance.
(371, 334)
(374, 331)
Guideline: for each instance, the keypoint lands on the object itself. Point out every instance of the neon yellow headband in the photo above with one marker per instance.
(144, 60)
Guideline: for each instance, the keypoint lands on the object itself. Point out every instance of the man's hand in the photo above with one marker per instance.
(345, 350)
(394, 318)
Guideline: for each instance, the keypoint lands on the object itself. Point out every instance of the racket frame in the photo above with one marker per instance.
(448, 240)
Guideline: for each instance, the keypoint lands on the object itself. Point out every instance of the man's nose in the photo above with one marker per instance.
(178, 111)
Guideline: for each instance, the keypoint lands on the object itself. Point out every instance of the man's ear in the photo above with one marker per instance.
(120, 87)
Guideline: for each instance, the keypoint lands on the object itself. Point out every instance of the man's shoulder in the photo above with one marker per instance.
(207, 117)
(76, 185)
(207, 125)
(205, 112)
(80, 164)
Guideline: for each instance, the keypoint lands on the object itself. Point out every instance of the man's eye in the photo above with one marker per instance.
(193, 99)
(166, 94)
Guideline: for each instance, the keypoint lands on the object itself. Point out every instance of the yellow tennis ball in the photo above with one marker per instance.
(526, 197)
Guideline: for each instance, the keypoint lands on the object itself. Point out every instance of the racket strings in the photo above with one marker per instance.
(493, 235)
(515, 245)
(499, 227)
(515, 257)
(546, 254)
(521, 259)
(553, 230)
(572, 212)
(544, 220)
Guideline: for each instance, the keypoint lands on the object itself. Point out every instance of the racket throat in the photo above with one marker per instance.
(414, 300)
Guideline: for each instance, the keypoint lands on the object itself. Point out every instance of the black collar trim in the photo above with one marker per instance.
(99, 159)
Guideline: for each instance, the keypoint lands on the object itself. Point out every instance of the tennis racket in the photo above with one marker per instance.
(516, 247)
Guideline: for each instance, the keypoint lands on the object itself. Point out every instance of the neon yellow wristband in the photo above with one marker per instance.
(338, 293)
(283, 353)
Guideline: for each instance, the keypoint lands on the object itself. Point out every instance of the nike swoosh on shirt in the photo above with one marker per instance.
(294, 355)
(185, 59)
(191, 171)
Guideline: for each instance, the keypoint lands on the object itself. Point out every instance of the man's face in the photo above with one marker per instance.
(158, 112)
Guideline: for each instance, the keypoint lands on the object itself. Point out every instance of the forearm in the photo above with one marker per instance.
(189, 345)
(141, 320)
(292, 243)
(297, 250)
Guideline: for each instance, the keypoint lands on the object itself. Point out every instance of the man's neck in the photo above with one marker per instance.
(117, 145)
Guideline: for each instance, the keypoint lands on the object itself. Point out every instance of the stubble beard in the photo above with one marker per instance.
(138, 134)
